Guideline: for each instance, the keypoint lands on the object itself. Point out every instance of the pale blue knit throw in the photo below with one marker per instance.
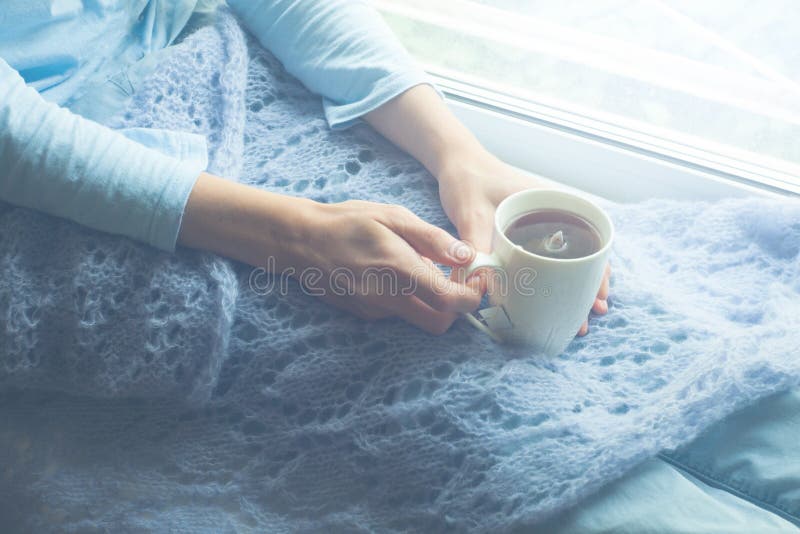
(142, 391)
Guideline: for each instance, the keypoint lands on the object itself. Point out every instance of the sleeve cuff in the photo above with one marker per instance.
(188, 155)
(341, 116)
(168, 214)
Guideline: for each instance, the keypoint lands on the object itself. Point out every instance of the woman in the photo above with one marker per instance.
(338, 49)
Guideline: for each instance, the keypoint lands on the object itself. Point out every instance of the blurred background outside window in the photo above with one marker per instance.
(713, 76)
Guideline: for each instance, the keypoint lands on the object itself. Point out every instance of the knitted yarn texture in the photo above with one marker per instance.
(145, 391)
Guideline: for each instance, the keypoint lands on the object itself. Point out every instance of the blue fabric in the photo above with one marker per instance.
(741, 475)
(302, 418)
(754, 454)
(89, 56)
(656, 497)
(61, 46)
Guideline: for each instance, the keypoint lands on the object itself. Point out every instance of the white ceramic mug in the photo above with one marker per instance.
(536, 300)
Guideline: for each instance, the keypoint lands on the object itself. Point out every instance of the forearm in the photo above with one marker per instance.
(419, 122)
(472, 181)
(244, 223)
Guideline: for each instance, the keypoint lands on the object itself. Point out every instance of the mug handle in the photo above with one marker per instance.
(481, 260)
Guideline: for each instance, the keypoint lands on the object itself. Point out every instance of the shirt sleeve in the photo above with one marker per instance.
(340, 49)
(55, 161)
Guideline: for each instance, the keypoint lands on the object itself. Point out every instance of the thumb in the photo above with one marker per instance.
(477, 236)
(434, 243)
(477, 230)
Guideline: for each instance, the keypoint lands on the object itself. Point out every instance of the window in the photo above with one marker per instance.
(713, 83)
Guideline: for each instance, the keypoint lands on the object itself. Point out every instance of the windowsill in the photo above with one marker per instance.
(602, 166)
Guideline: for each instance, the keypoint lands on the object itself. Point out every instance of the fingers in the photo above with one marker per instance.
(420, 314)
(600, 307)
(477, 227)
(426, 281)
(478, 234)
(602, 294)
(444, 300)
(429, 240)
(414, 311)
(432, 287)
(584, 329)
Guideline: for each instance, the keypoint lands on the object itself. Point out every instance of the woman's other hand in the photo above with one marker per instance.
(472, 182)
(471, 185)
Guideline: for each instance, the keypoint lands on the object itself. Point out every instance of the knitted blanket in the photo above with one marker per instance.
(143, 391)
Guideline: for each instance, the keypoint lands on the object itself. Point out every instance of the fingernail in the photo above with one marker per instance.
(480, 277)
(459, 251)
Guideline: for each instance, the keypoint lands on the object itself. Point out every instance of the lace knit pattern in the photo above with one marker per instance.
(143, 391)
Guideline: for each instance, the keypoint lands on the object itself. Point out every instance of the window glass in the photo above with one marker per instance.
(717, 74)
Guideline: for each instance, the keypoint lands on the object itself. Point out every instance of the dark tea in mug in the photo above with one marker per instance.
(554, 234)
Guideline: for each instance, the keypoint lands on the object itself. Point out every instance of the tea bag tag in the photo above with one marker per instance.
(556, 242)
(496, 318)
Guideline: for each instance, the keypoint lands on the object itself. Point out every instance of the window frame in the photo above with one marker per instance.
(613, 162)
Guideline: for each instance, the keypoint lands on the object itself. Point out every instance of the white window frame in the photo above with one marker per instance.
(615, 163)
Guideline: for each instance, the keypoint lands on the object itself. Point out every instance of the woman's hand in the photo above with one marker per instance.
(472, 182)
(471, 186)
(374, 260)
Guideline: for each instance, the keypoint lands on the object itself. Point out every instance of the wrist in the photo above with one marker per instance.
(244, 223)
(456, 152)
(419, 122)
(460, 162)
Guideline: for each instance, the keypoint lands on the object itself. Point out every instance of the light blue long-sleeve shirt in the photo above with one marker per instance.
(52, 53)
